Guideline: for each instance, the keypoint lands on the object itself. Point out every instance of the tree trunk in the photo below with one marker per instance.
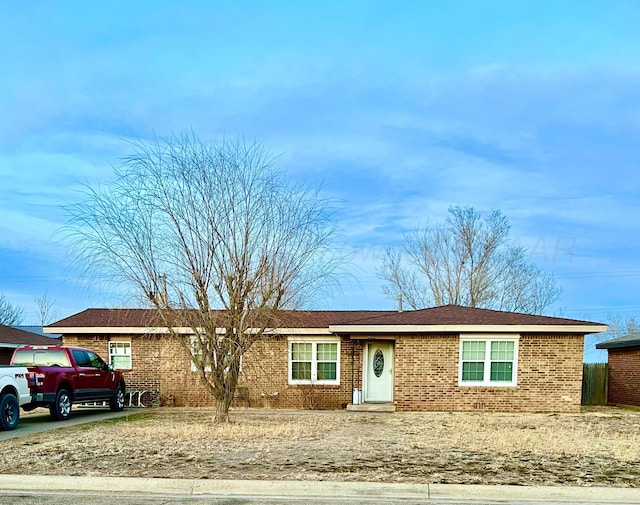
(222, 409)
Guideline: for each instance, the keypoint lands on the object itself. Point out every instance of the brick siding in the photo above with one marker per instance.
(624, 376)
(425, 375)
(549, 376)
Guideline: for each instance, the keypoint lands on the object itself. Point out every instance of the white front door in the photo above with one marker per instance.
(378, 374)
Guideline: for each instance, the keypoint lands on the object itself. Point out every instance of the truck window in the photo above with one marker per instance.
(96, 361)
(81, 358)
(41, 357)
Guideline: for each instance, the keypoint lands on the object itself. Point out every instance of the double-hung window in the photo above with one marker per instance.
(120, 355)
(314, 361)
(203, 355)
(488, 361)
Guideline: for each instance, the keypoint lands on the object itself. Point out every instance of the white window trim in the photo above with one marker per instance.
(115, 342)
(314, 359)
(192, 343)
(487, 382)
(207, 369)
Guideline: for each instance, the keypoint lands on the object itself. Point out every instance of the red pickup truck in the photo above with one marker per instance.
(66, 375)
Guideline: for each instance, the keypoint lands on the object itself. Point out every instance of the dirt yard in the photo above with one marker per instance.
(598, 447)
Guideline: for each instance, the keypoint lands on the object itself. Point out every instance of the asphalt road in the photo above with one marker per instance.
(41, 421)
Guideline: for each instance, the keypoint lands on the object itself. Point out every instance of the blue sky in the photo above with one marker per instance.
(400, 109)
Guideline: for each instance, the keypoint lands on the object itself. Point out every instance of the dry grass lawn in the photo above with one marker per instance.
(600, 447)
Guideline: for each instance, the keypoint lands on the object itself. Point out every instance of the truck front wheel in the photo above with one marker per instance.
(117, 402)
(61, 408)
(9, 412)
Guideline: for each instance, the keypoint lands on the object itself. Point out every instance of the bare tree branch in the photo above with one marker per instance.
(467, 261)
(10, 315)
(196, 227)
(46, 309)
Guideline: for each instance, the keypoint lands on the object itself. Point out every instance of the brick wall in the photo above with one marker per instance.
(425, 375)
(266, 372)
(624, 376)
(549, 376)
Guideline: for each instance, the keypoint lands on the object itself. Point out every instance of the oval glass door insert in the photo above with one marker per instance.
(378, 363)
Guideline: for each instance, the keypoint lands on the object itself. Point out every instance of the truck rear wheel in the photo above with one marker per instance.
(61, 408)
(9, 412)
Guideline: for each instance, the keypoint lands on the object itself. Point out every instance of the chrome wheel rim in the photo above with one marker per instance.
(120, 398)
(64, 405)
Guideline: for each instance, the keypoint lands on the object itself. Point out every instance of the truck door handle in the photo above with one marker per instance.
(82, 374)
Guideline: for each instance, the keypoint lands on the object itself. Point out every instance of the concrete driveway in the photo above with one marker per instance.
(40, 420)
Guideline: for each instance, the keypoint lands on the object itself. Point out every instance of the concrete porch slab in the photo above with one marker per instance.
(371, 407)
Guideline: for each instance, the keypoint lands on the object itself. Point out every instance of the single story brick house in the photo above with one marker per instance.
(447, 358)
(12, 338)
(624, 369)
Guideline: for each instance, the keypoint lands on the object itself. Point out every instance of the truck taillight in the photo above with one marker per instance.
(36, 379)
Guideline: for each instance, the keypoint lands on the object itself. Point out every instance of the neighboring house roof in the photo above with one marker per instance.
(13, 337)
(628, 341)
(447, 318)
(38, 330)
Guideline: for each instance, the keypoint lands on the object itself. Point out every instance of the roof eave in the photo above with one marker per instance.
(468, 328)
(159, 330)
(346, 329)
(620, 345)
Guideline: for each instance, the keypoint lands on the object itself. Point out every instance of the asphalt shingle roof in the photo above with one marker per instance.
(628, 341)
(14, 336)
(444, 315)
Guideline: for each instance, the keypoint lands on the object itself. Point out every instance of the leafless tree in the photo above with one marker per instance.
(10, 315)
(619, 326)
(215, 238)
(46, 309)
(466, 261)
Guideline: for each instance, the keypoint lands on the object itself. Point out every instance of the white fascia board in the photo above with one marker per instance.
(129, 330)
(312, 337)
(465, 328)
(299, 331)
(349, 329)
(138, 330)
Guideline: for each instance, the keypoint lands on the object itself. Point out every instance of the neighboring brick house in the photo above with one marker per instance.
(624, 369)
(12, 338)
(447, 358)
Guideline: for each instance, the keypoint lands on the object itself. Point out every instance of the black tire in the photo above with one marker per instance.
(61, 408)
(117, 402)
(9, 412)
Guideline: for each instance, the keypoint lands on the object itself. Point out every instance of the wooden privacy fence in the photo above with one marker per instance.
(595, 382)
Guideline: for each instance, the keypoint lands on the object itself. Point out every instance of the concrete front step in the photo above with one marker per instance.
(371, 407)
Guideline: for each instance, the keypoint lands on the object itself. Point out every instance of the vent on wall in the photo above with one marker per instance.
(480, 406)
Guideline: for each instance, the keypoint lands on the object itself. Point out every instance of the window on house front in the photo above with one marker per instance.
(120, 355)
(314, 361)
(486, 361)
(202, 353)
